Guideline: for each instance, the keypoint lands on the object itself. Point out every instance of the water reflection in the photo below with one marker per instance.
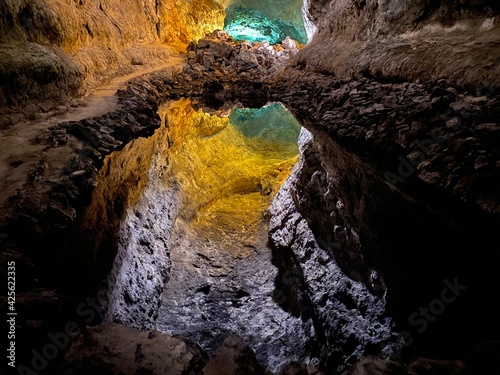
(229, 168)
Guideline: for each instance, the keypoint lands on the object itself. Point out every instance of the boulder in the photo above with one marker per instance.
(234, 357)
(117, 349)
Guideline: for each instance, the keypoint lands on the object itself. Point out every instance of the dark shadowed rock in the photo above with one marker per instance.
(377, 366)
(423, 366)
(295, 368)
(117, 349)
(234, 357)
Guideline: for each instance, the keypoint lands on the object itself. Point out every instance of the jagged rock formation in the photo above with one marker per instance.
(63, 249)
(145, 207)
(51, 205)
(230, 72)
(349, 317)
(405, 39)
(53, 50)
(399, 181)
(233, 357)
(388, 224)
(438, 192)
(119, 349)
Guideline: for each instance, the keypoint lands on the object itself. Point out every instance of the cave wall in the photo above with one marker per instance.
(338, 221)
(149, 207)
(52, 49)
(406, 90)
(411, 39)
(349, 314)
(283, 15)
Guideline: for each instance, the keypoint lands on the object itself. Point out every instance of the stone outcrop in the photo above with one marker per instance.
(58, 240)
(118, 349)
(400, 165)
(405, 40)
(349, 318)
(52, 198)
(53, 50)
(76, 170)
(374, 177)
(390, 216)
(144, 208)
(225, 71)
(234, 357)
(294, 368)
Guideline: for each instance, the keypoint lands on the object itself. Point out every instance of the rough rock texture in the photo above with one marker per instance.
(405, 39)
(142, 262)
(51, 49)
(377, 366)
(224, 70)
(406, 173)
(221, 279)
(44, 220)
(48, 210)
(116, 349)
(349, 319)
(48, 203)
(233, 356)
(394, 206)
(376, 182)
(294, 368)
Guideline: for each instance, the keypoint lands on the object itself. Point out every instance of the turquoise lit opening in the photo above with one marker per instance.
(253, 25)
(272, 123)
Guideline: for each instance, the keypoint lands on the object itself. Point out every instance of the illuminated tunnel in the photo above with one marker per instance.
(259, 20)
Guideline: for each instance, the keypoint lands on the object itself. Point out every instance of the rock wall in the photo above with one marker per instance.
(274, 20)
(118, 349)
(348, 316)
(405, 39)
(398, 183)
(53, 49)
(56, 246)
(42, 223)
(130, 218)
(401, 179)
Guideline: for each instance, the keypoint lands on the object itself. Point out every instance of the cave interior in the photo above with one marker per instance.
(216, 187)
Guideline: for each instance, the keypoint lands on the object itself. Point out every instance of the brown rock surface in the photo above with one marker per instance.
(423, 366)
(405, 39)
(117, 349)
(52, 50)
(294, 368)
(377, 366)
(233, 357)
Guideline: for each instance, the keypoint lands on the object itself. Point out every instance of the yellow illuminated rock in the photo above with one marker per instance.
(182, 21)
(227, 180)
(120, 185)
(51, 48)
